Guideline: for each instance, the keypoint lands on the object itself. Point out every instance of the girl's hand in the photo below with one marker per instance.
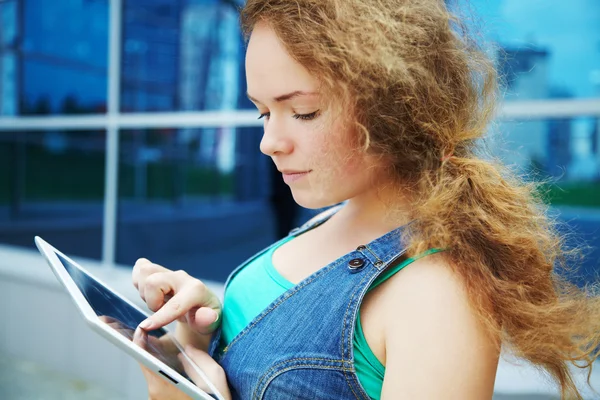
(161, 347)
(159, 389)
(174, 295)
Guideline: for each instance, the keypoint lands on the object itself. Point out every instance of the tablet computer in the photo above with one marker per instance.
(115, 318)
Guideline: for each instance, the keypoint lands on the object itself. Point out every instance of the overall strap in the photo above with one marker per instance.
(393, 269)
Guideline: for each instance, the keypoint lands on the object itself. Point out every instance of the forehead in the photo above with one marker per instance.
(270, 70)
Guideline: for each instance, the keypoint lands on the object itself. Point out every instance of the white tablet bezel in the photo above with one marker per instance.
(160, 368)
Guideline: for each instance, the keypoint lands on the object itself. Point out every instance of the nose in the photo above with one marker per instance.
(275, 139)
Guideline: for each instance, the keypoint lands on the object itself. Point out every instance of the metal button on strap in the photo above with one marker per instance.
(361, 247)
(356, 264)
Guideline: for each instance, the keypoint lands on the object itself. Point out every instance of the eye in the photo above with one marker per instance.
(306, 117)
(267, 115)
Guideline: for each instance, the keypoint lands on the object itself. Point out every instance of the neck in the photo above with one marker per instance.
(372, 214)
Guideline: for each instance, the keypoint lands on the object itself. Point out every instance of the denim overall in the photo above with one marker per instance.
(301, 346)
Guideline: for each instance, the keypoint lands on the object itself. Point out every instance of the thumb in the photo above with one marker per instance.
(205, 372)
(205, 320)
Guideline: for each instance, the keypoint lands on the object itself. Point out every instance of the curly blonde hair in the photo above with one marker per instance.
(422, 94)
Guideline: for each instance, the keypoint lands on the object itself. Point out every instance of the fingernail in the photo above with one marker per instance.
(216, 317)
(145, 324)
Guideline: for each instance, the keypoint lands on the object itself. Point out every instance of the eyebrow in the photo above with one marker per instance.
(285, 97)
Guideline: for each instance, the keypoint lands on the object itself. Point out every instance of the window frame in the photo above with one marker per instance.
(113, 121)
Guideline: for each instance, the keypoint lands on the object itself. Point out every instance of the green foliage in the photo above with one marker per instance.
(582, 194)
(76, 176)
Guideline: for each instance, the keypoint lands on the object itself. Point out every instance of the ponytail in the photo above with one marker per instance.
(508, 251)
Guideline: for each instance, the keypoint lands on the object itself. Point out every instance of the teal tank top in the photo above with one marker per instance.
(243, 302)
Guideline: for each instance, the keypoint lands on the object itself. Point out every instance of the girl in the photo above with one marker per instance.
(436, 258)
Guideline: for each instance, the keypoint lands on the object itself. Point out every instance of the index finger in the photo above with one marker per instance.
(174, 308)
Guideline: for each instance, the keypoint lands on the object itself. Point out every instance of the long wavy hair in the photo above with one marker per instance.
(422, 94)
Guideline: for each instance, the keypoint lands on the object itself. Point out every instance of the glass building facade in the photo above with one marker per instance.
(193, 190)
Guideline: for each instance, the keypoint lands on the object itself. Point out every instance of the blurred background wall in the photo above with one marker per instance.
(125, 130)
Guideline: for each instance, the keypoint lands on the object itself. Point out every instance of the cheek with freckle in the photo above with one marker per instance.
(345, 152)
(337, 159)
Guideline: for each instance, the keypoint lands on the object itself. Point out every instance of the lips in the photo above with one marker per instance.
(291, 172)
(289, 176)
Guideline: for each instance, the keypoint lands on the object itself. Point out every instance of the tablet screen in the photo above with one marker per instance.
(122, 317)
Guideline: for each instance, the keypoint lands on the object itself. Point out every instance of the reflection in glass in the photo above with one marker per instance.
(175, 166)
(50, 64)
(52, 184)
(8, 58)
(565, 151)
(195, 199)
(184, 55)
(157, 342)
(548, 49)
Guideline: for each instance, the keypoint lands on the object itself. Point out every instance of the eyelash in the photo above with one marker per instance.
(305, 117)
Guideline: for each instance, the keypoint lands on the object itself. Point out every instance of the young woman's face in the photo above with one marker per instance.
(300, 134)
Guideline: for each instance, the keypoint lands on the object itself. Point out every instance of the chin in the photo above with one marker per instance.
(314, 202)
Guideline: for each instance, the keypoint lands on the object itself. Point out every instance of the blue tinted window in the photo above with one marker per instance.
(53, 55)
(186, 55)
(52, 185)
(547, 49)
(194, 198)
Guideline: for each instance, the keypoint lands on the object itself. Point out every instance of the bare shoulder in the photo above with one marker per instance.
(429, 293)
(429, 279)
(431, 333)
